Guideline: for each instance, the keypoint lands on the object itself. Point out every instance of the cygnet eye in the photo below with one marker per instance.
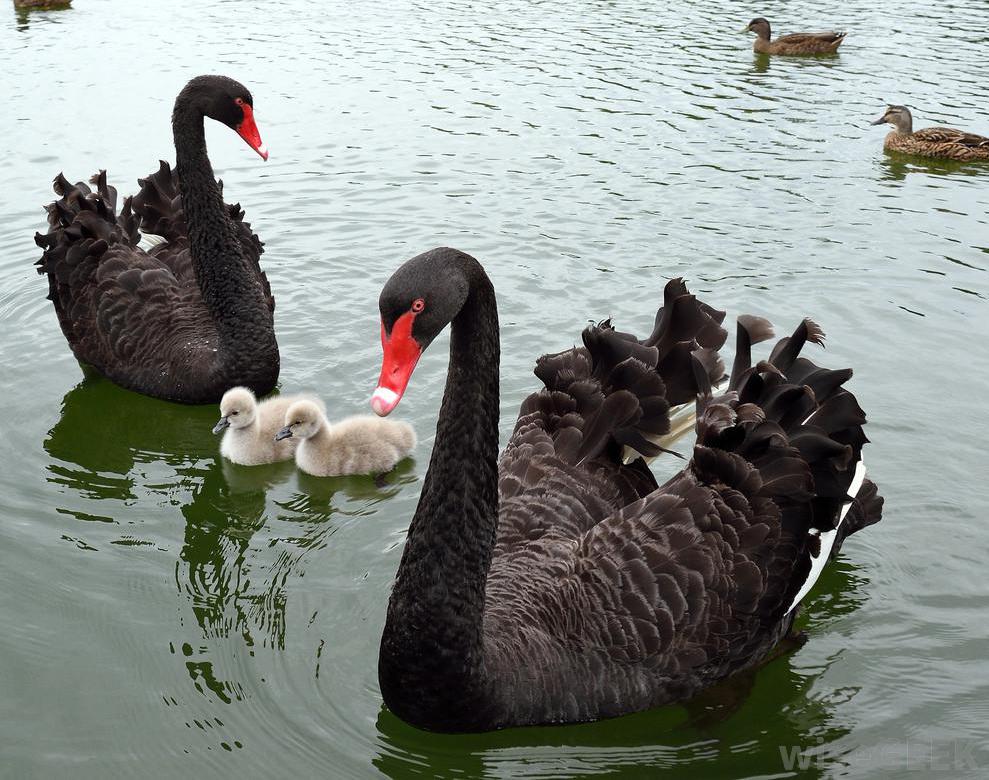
(234, 413)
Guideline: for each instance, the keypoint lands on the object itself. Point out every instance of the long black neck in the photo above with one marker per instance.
(431, 666)
(231, 289)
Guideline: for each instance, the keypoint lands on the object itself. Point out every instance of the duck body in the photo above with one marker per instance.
(795, 44)
(249, 427)
(192, 316)
(944, 143)
(354, 445)
(559, 584)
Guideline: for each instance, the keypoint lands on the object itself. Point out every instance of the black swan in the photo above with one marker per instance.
(192, 316)
(561, 584)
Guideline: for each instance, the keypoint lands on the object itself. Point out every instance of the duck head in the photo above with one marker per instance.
(899, 117)
(760, 27)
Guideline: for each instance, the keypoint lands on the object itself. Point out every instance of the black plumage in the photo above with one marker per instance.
(560, 584)
(191, 317)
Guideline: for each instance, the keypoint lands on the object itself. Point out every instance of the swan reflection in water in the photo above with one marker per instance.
(703, 732)
(139, 464)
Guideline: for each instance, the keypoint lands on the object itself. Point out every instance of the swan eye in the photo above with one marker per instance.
(239, 101)
(234, 413)
(418, 305)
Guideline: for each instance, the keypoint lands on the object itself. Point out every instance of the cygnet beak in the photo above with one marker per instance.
(284, 433)
(223, 423)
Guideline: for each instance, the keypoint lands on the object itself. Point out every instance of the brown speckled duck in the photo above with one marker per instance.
(940, 142)
(795, 43)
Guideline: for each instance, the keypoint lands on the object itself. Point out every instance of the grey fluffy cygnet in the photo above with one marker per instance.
(251, 427)
(355, 445)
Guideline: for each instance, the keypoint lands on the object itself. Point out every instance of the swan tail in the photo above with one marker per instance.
(787, 431)
(866, 509)
(616, 391)
(158, 204)
(83, 225)
(687, 332)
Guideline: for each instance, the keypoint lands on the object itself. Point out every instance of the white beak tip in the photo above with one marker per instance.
(383, 400)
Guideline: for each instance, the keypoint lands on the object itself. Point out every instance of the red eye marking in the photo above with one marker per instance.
(418, 305)
(239, 101)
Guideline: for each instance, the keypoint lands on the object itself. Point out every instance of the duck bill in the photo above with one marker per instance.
(248, 130)
(879, 121)
(401, 353)
(222, 424)
(284, 433)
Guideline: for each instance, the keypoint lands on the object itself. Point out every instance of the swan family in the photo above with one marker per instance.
(557, 581)
(295, 427)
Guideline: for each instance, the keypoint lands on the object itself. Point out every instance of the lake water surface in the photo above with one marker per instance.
(166, 613)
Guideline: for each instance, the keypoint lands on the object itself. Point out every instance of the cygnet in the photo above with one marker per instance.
(251, 427)
(355, 445)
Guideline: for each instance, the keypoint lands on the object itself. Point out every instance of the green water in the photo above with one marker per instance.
(165, 613)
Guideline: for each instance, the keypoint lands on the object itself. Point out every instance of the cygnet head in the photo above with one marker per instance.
(302, 420)
(238, 408)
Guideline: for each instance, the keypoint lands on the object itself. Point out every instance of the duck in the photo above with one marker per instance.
(561, 584)
(193, 315)
(249, 427)
(42, 5)
(938, 142)
(360, 444)
(793, 44)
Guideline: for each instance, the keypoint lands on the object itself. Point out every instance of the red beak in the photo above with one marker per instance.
(401, 353)
(248, 130)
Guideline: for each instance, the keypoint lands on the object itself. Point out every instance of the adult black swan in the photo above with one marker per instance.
(561, 584)
(191, 317)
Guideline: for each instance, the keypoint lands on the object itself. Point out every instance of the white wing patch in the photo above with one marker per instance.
(827, 539)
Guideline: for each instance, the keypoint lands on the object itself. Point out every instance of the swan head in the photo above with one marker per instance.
(238, 408)
(898, 116)
(302, 420)
(227, 101)
(420, 299)
(760, 27)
